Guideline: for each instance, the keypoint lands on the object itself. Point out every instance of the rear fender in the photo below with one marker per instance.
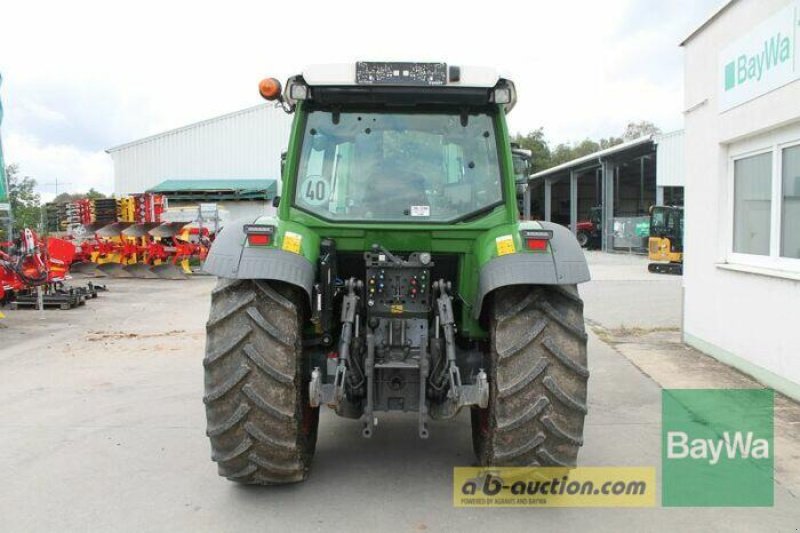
(284, 259)
(562, 264)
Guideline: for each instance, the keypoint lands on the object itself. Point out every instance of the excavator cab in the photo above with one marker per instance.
(665, 245)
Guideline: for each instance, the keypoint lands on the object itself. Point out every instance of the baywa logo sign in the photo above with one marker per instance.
(717, 447)
(776, 50)
(762, 60)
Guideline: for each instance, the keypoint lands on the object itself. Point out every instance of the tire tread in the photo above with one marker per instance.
(255, 390)
(538, 380)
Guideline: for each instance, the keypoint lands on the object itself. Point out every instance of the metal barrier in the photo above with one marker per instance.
(631, 234)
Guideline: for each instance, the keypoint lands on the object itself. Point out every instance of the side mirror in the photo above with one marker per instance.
(276, 201)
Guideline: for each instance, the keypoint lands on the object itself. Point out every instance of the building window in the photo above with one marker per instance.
(790, 206)
(752, 205)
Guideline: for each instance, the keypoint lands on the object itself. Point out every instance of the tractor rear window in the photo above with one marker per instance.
(393, 167)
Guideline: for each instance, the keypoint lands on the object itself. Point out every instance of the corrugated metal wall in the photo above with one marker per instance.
(245, 144)
(670, 160)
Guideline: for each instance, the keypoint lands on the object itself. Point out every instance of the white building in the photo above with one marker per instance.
(625, 180)
(238, 147)
(742, 241)
(670, 168)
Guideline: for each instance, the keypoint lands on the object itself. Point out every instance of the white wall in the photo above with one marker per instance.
(750, 318)
(670, 159)
(245, 144)
(226, 211)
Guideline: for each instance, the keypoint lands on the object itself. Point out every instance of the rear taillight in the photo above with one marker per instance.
(536, 244)
(536, 239)
(259, 234)
(258, 239)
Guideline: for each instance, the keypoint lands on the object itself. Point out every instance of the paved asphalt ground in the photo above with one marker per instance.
(102, 429)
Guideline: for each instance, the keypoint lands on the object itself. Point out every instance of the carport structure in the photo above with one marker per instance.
(620, 181)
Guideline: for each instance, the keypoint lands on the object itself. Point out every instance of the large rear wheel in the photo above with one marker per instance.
(538, 380)
(261, 427)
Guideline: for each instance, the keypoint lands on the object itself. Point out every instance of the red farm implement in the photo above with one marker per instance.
(137, 242)
(33, 272)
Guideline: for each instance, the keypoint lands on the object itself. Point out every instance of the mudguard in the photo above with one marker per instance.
(565, 265)
(230, 257)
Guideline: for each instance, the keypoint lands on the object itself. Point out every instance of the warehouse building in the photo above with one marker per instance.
(742, 243)
(232, 162)
(613, 189)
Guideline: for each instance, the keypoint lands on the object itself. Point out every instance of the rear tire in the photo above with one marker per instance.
(538, 379)
(583, 239)
(261, 427)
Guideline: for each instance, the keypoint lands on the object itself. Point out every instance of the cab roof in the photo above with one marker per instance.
(405, 82)
(344, 74)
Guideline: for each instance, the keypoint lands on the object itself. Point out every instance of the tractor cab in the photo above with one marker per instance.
(405, 143)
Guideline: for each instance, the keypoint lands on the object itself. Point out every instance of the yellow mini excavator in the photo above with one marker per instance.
(666, 239)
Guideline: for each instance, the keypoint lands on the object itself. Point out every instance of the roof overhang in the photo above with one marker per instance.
(216, 189)
(595, 159)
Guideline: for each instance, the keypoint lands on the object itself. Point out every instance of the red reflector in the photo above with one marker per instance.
(536, 244)
(258, 239)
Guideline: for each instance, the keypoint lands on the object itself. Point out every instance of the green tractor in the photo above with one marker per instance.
(396, 276)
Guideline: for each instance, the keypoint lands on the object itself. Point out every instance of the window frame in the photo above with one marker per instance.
(790, 261)
(772, 143)
(490, 112)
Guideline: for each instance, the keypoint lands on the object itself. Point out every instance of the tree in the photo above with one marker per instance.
(545, 157)
(561, 154)
(585, 147)
(24, 200)
(634, 130)
(536, 143)
(567, 152)
(94, 195)
(66, 197)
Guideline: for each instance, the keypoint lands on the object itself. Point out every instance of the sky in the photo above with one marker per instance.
(82, 76)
